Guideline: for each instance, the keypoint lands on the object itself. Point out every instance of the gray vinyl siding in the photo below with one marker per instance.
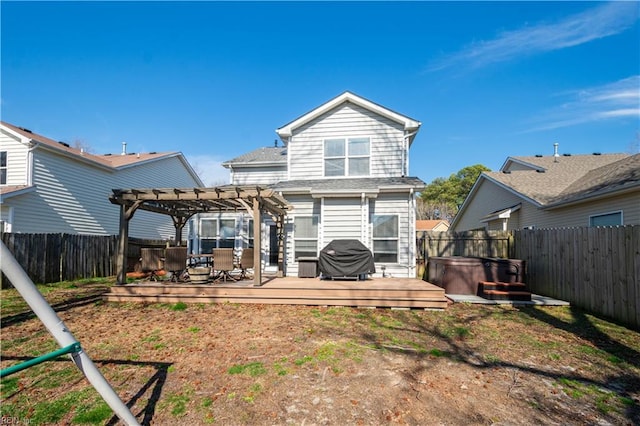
(259, 175)
(578, 214)
(73, 197)
(342, 218)
(17, 160)
(306, 149)
(488, 198)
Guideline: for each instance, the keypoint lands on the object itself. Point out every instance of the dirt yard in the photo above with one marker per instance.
(291, 365)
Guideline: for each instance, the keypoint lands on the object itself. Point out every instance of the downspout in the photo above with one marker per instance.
(29, 165)
(405, 152)
(231, 174)
(363, 220)
(411, 235)
(287, 145)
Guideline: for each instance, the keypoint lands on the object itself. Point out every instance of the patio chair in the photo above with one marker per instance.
(246, 262)
(175, 262)
(151, 260)
(223, 263)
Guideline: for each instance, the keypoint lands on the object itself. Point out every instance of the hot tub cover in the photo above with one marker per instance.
(346, 258)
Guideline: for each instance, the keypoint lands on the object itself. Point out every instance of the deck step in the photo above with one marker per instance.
(507, 295)
(495, 290)
(497, 285)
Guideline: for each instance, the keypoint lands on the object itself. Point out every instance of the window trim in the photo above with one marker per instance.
(4, 168)
(218, 237)
(346, 157)
(295, 239)
(396, 238)
(611, 213)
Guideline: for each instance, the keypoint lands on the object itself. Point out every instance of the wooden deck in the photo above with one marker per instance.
(376, 292)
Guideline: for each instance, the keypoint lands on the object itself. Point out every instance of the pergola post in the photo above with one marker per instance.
(257, 243)
(123, 240)
(280, 236)
(178, 223)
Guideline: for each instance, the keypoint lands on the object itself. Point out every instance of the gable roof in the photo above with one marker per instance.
(410, 125)
(553, 180)
(260, 157)
(108, 161)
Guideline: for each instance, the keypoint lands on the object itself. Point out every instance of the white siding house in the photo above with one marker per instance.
(49, 187)
(554, 192)
(343, 168)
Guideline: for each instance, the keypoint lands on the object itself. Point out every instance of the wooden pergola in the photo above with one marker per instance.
(182, 203)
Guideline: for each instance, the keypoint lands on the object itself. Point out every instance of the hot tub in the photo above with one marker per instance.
(461, 275)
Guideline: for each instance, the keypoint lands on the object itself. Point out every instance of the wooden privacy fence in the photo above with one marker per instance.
(49, 258)
(467, 243)
(597, 269)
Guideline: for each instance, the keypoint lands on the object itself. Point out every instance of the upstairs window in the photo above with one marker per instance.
(3, 167)
(346, 157)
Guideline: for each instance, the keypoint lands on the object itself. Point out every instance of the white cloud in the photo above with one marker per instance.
(602, 21)
(209, 168)
(620, 99)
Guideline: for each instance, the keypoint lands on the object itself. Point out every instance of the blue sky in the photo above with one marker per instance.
(215, 79)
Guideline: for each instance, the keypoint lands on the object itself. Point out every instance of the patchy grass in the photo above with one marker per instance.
(254, 364)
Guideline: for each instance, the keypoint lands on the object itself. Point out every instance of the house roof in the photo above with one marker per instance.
(260, 157)
(409, 124)
(7, 191)
(429, 224)
(106, 160)
(350, 186)
(554, 180)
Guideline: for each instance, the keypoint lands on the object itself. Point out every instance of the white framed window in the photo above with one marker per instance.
(250, 237)
(606, 219)
(305, 236)
(216, 233)
(3, 167)
(227, 235)
(385, 238)
(346, 157)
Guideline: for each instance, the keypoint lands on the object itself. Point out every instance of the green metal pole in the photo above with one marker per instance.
(72, 348)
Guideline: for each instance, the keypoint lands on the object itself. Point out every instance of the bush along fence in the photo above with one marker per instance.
(49, 258)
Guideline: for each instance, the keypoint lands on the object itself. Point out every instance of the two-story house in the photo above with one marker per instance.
(343, 167)
(47, 186)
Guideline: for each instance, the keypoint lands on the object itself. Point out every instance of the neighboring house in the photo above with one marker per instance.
(343, 168)
(555, 191)
(47, 186)
(437, 225)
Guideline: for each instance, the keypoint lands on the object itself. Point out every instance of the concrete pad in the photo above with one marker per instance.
(536, 299)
